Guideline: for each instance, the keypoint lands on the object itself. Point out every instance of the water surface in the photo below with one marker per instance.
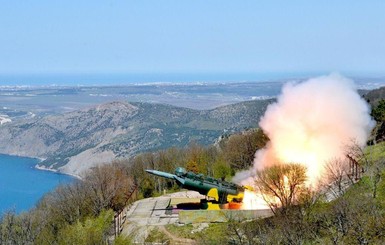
(21, 185)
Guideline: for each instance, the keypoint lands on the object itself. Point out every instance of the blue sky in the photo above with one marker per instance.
(162, 36)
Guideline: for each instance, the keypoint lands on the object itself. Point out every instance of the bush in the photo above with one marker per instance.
(91, 231)
(378, 113)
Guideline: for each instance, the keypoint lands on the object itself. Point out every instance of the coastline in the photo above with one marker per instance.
(43, 168)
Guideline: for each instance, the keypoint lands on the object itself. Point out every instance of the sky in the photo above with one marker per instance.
(174, 36)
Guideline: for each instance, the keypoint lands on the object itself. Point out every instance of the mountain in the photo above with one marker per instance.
(75, 141)
(375, 95)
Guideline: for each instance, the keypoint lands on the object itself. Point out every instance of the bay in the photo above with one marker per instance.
(21, 185)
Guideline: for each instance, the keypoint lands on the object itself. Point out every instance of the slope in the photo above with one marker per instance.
(75, 141)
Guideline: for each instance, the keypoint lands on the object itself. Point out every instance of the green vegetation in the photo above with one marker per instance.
(217, 161)
(91, 231)
(375, 153)
(79, 213)
(213, 234)
(357, 216)
(157, 236)
(82, 213)
(354, 218)
(184, 231)
(121, 240)
(378, 113)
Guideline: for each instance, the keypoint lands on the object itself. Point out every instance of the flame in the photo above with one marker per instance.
(286, 184)
(313, 159)
(252, 201)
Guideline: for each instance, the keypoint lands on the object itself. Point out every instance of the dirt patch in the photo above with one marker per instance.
(175, 239)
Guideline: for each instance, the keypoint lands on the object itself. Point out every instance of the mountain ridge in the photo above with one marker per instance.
(75, 141)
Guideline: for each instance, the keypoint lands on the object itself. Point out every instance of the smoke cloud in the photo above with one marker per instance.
(310, 123)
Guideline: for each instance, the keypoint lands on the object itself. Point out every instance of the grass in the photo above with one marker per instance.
(157, 236)
(184, 231)
(375, 153)
(215, 233)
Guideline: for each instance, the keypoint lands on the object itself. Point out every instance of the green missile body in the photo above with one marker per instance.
(200, 183)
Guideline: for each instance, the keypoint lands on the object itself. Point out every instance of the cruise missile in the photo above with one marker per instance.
(205, 185)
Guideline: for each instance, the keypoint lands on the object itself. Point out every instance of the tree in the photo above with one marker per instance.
(284, 183)
(91, 231)
(109, 187)
(197, 159)
(240, 149)
(220, 168)
(336, 177)
(192, 166)
(378, 113)
(353, 150)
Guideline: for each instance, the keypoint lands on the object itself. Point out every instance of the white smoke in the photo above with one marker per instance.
(310, 123)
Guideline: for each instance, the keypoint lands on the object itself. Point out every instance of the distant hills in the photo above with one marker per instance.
(375, 95)
(75, 141)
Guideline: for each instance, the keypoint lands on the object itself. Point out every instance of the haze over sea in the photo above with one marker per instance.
(21, 185)
(132, 78)
(363, 81)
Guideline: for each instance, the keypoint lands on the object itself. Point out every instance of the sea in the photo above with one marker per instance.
(106, 79)
(369, 81)
(22, 185)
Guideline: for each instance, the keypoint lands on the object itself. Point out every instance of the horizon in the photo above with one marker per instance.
(145, 78)
(122, 79)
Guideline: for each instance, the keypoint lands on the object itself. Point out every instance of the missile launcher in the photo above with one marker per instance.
(222, 191)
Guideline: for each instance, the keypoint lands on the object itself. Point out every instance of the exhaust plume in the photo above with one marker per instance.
(310, 123)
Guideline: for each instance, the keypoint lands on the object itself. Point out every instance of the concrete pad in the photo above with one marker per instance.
(177, 200)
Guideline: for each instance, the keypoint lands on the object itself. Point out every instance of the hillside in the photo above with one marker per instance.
(75, 141)
(375, 95)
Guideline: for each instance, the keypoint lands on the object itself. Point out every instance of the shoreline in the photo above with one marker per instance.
(43, 168)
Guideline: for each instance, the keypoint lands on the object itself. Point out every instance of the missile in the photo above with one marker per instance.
(161, 174)
(202, 184)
